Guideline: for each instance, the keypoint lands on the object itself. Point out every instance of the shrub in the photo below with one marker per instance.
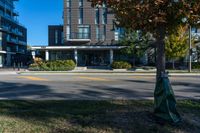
(36, 64)
(121, 65)
(59, 65)
(196, 65)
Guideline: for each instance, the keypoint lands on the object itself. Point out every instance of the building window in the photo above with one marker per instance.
(84, 32)
(68, 30)
(104, 14)
(68, 3)
(80, 3)
(62, 38)
(68, 11)
(116, 35)
(97, 15)
(104, 33)
(56, 37)
(17, 48)
(119, 32)
(69, 16)
(80, 20)
(97, 33)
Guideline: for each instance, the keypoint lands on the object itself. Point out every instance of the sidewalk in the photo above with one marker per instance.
(10, 71)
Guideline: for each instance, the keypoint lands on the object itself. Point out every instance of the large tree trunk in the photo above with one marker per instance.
(164, 99)
(160, 51)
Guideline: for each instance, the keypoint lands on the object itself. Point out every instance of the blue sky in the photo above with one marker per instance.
(36, 15)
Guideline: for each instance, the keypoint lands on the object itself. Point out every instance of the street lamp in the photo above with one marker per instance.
(190, 50)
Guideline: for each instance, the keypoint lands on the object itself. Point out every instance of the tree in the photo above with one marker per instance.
(136, 43)
(198, 53)
(176, 44)
(158, 17)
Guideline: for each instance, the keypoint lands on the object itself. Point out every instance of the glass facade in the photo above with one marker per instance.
(93, 58)
(61, 55)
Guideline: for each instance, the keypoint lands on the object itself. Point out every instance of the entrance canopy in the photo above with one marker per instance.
(76, 47)
(2, 52)
(83, 55)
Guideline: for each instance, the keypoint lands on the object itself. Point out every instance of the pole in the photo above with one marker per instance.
(190, 52)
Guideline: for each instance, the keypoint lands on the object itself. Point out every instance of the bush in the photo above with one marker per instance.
(121, 65)
(196, 65)
(36, 64)
(59, 65)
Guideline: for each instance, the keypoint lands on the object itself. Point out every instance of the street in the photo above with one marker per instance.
(91, 87)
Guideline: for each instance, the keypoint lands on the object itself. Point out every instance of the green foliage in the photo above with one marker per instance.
(121, 65)
(136, 43)
(148, 15)
(176, 44)
(59, 65)
(198, 53)
(196, 65)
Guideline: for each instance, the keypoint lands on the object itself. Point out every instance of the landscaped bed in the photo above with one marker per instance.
(92, 117)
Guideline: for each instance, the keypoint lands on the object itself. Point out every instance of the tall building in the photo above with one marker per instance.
(88, 35)
(13, 36)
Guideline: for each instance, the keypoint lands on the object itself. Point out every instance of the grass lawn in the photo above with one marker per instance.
(92, 117)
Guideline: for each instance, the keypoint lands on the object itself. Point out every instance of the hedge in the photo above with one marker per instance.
(59, 65)
(121, 65)
(196, 65)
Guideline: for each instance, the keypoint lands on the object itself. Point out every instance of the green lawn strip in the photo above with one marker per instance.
(92, 117)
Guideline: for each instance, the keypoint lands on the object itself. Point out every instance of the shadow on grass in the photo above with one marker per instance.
(94, 116)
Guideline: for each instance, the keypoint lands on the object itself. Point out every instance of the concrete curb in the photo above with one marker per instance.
(106, 73)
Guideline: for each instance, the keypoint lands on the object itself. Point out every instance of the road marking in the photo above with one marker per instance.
(93, 78)
(33, 78)
(142, 77)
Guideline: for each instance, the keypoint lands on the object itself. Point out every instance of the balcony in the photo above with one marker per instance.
(16, 41)
(17, 32)
(15, 13)
(79, 37)
(12, 31)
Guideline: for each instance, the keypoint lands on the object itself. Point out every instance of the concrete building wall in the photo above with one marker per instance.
(55, 33)
(89, 15)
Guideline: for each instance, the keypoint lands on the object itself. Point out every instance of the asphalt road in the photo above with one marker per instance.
(91, 87)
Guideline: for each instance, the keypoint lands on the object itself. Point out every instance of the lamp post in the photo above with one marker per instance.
(190, 50)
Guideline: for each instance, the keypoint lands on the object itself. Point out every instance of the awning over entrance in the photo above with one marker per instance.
(2, 52)
(76, 47)
(83, 55)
